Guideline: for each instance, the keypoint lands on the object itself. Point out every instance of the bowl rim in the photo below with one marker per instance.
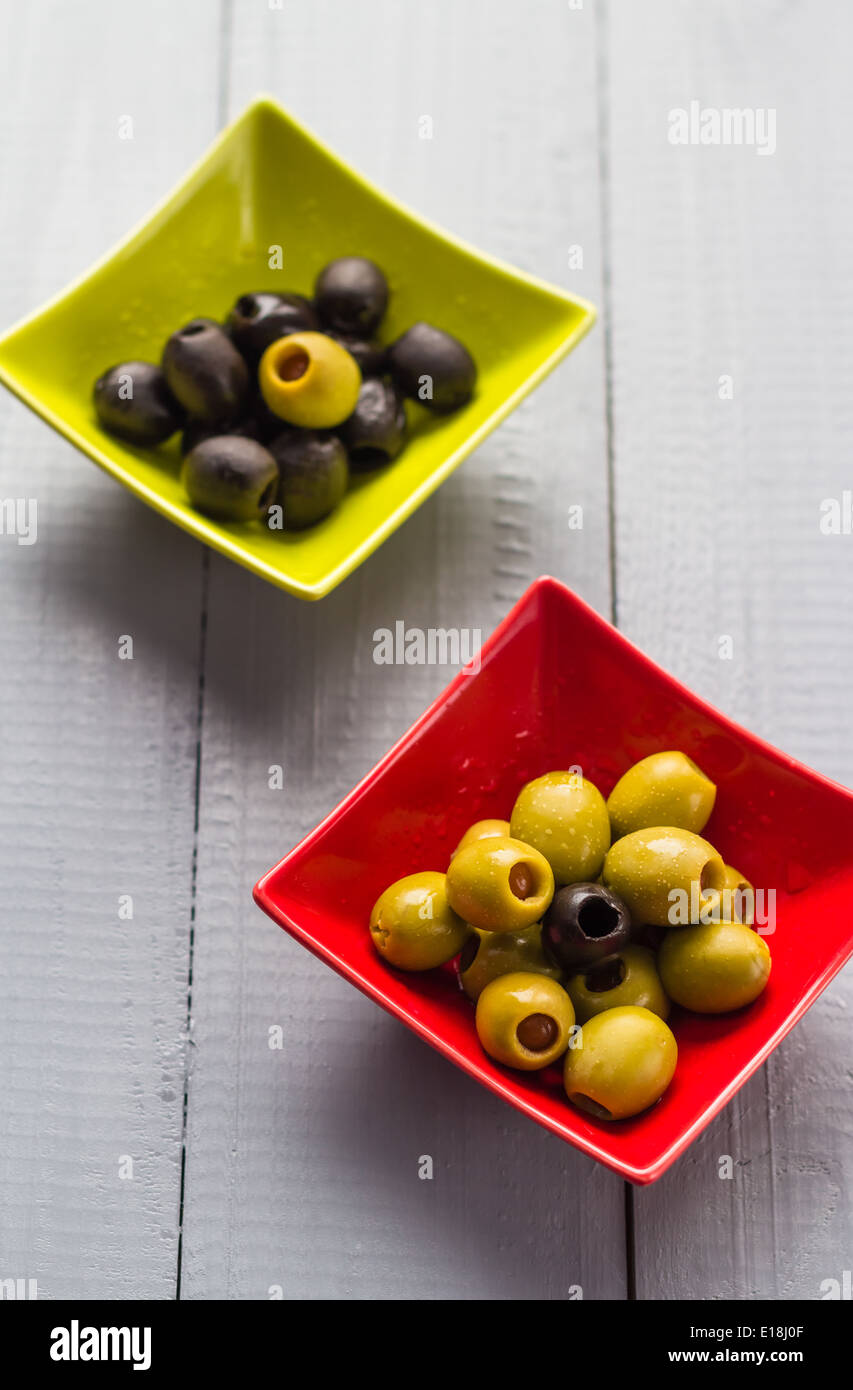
(639, 1174)
(197, 525)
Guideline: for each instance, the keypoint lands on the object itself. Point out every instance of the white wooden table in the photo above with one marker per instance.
(151, 1144)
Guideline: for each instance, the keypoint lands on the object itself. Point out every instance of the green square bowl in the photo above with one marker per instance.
(266, 183)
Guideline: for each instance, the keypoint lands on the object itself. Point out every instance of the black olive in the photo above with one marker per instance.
(230, 477)
(432, 367)
(259, 319)
(259, 422)
(206, 373)
(376, 431)
(584, 923)
(133, 401)
(368, 352)
(351, 295)
(314, 474)
(249, 426)
(254, 425)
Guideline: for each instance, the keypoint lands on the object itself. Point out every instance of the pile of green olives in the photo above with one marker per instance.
(577, 923)
(288, 398)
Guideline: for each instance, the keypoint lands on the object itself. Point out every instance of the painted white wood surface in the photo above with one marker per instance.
(98, 754)
(727, 262)
(301, 1165)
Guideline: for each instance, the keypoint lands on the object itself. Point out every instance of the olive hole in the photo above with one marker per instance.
(292, 367)
(597, 918)
(537, 1032)
(743, 902)
(711, 877)
(712, 906)
(192, 330)
(607, 974)
(248, 306)
(521, 881)
(591, 1106)
(468, 954)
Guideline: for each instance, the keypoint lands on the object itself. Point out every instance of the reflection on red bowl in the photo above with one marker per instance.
(558, 686)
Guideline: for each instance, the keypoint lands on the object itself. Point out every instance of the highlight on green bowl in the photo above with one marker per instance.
(265, 209)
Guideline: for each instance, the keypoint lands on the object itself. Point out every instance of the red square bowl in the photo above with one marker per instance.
(558, 686)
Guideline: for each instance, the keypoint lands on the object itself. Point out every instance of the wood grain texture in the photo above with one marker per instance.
(98, 754)
(724, 261)
(302, 1164)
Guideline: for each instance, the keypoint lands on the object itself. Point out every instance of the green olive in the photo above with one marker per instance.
(498, 884)
(564, 816)
(621, 1063)
(483, 830)
(715, 968)
(413, 925)
(664, 874)
(629, 977)
(524, 1020)
(734, 902)
(309, 380)
(663, 789)
(487, 955)
(741, 903)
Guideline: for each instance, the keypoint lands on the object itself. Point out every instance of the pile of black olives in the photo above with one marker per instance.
(576, 923)
(288, 398)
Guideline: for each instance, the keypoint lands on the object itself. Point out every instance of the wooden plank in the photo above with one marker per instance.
(728, 262)
(98, 753)
(302, 1164)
